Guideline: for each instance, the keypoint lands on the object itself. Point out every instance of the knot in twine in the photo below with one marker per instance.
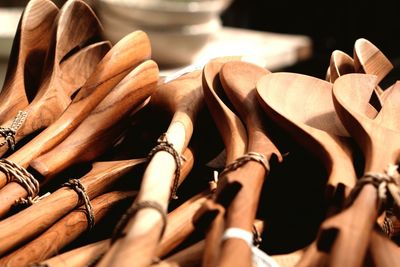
(165, 145)
(18, 174)
(8, 133)
(387, 185)
(250, 156)
(80, 190)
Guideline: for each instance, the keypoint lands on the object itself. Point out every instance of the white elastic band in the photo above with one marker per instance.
(244, 235)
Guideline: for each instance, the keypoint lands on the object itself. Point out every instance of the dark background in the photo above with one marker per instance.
(331, 25)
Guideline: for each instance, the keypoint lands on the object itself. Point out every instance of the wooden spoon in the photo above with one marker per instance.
(340, 64)
(100, 129)
(64, 231)
(303, 105)
(52, 97)
(183, 96)
(234, 137)
(116, 64)
(56, 88)
(239, 83)
(350, 240)
(27, 56)
(37, 218)
(370, 60)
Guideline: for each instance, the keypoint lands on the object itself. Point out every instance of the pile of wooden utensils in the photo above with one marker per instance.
(85, 120)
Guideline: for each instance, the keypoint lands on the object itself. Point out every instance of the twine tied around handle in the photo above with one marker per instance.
(18, 174)
(9, 133)
(165, 145)
(80, 190)
(250, 156)
(387, 185)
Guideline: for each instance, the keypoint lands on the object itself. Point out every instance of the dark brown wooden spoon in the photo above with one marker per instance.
(52, 97)
(115, 65)
(28, 52)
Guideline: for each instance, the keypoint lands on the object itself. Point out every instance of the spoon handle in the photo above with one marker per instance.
(54, 206)
(345, 236)
(64, 231)
(81, 256)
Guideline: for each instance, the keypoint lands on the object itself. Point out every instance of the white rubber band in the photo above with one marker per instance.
(244, 235)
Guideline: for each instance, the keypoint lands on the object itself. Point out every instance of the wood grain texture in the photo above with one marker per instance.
(149, 235)
(28, 52)
(229, 125)
(239, 81)
(115, 65)
(370, 60)
(37, 218)
(53, 97)
(234, 136)
(79, 257)
(355, 224)
(180, 224)
(100, 129)
(185, 100)
(64, 231)
(303, 106)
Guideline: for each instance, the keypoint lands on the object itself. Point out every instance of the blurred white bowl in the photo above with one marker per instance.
(170, 47)
(163, 12)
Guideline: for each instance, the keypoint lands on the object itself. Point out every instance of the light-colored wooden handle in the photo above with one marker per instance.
(64, 231)
(142, 238)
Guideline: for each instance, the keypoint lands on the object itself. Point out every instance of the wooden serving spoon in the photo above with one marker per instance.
(183, 98)
(234, 137)
(239, 83)
(64, 231)
(340, 64)
(27, 56)
(57, 87)
(99, 130)
(351, 229)
(37, 218)
(52, 98)
(303, 106)
(115, 65)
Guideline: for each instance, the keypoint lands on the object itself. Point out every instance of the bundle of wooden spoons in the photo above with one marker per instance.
(107, 163)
